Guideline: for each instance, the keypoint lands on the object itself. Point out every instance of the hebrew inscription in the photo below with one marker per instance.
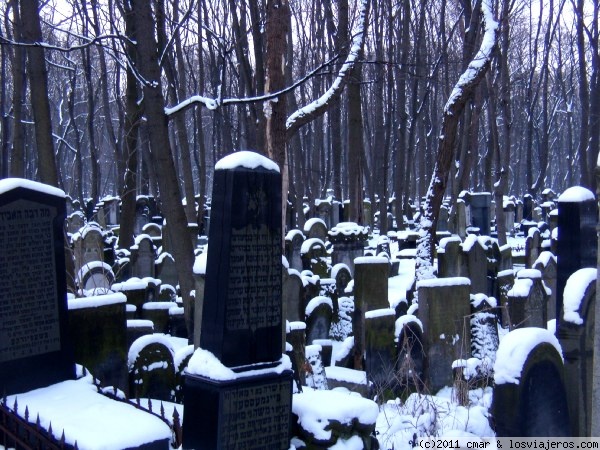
(29, 317)
(256, 417)
(254, 288)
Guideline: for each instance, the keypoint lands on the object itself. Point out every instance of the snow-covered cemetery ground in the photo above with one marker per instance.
(332, 344)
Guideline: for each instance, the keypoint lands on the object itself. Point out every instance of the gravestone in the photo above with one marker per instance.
(314, 256)
(442, 223)
(411, 355)
(527, 300)
(315, 228)
(293, 246)
(35, 349)
(380, 354)
(242, 325)
(95, 276)
(318, 315)
(342, 276)
(546, 264)
(461, 218)
(348, 239)
(528, 205)
(143, 255)
(576, 337)
(89, 245)
(324, 211)
(166, 271)
(151, 368)
(477, 263)
(509, 216)
(98, 330)
(484, 332)
(529, 398)
(112, 210)
(292, 293)
(480, 204)
(577, 239)
(451, 260)
(75, 222)
(444, 309)
(533, 246)
(370, 293)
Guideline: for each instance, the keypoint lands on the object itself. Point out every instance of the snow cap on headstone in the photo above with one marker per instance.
(576, 194)
(247, 160)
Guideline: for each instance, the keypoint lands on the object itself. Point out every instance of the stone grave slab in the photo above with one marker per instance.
(35, 350)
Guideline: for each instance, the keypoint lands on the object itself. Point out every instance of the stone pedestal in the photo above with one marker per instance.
(250, 413)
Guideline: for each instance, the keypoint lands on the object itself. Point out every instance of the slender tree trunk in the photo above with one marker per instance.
(17, 159)
(38, 76)
(463, 91)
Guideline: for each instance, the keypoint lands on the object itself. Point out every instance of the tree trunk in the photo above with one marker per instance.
(162, 156)
(17, 160)
(462, 92)
(38, 77)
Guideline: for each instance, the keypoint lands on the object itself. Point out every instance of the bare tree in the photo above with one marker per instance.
(463, 90)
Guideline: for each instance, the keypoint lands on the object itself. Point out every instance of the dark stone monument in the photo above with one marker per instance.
(242, 316)
(480, 211)
(577, 240)
(34, 347)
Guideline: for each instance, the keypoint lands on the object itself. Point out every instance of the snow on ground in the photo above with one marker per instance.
(400, 424)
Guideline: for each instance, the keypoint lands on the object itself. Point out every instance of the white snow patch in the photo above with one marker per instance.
(576, 194)
(96, 301)
(575, 289)
(8, 184)
(247, 160)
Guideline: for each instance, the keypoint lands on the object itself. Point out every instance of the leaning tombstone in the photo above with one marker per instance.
(239, 364)
(35, 349)
(444, 309)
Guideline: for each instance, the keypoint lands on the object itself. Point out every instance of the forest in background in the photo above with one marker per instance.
(534, 117)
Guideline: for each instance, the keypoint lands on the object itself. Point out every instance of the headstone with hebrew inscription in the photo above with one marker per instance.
(34, 346)
(238, 385)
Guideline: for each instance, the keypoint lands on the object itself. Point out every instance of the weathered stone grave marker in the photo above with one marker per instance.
(577, 240)
(229, 403)
(34, 347)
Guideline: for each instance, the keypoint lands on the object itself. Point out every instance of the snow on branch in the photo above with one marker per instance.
(212, 103)
(89, 42)
(314, 109)
(478, 66)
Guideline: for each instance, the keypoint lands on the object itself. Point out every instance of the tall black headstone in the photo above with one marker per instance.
(34, 346)
(577, 241)
(242, 323)
(242, 312)
(480, 203)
